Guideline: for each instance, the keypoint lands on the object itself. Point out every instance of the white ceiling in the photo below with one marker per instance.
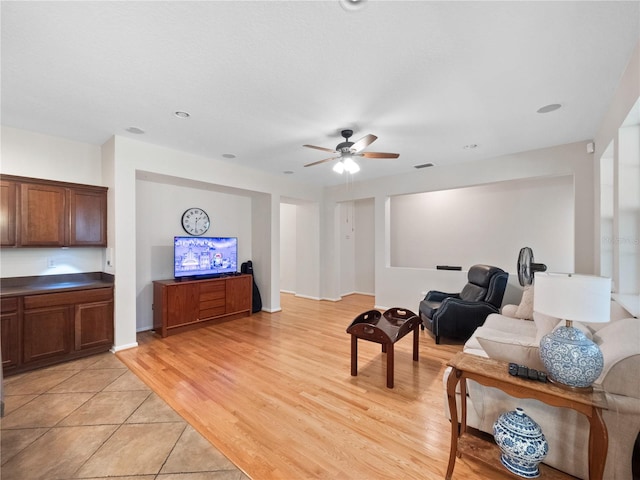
(262, 78)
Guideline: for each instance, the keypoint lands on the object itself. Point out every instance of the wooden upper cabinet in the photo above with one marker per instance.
(7, 213)
(43, 215)
(46, 213)
(88, 212)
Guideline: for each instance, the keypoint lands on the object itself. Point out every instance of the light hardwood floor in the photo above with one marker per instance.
(274, 393)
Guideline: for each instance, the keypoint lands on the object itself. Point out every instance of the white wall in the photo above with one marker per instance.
(308, 250)
(130, 159)
(288, 228)
(347, 248)
(485, 224)
(365, 271)
(398, 286)
(608, 143)
(230, 216)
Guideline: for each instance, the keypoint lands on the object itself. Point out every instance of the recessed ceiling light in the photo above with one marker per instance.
(353, 5)
(228, 155)
(136, 130)
(181, 114)
(549, 108)
(471, 146)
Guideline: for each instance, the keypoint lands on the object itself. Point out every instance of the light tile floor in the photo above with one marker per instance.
(92, 418)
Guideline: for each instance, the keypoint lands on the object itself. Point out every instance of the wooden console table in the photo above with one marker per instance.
(494, 373)
(384, 328)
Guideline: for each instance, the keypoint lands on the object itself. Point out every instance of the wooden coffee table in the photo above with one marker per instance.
(384, 328)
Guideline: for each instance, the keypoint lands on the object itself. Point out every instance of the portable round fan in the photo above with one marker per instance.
(527, 268)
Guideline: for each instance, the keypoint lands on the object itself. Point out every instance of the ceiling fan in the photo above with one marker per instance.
(347, 150)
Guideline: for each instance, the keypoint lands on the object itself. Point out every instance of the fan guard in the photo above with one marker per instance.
(527, 267)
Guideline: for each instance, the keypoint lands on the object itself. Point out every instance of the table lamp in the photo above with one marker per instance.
(570, 357)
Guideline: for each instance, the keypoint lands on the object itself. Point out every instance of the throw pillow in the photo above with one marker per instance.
(512, 350)
(544, 324)
(525, 309)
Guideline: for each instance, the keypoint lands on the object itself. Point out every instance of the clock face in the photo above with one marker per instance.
(195, 221)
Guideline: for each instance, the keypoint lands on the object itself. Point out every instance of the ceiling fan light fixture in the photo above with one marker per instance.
(350, 166)
(339, 168)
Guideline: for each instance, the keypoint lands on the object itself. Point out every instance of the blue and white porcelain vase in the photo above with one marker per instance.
(522, 443)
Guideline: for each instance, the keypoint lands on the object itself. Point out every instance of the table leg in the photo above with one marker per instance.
(354, 356)
(452, 381)
(390, 365)
(416, 338)
(598, 445)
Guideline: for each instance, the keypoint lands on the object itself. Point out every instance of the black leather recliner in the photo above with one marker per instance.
(457, 315)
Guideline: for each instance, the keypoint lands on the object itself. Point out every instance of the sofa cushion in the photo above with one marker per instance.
(510, 348)
(518, 327)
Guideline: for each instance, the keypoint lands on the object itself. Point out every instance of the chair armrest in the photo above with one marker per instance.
(458, 318)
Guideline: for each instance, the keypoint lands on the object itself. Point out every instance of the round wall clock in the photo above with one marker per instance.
(195, 221)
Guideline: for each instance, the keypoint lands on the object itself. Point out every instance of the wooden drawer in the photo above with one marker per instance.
(212, 290)
(212, 300)
(8, 305)
(67, 298)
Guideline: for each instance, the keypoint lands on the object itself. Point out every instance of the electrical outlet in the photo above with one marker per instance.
(51, 263)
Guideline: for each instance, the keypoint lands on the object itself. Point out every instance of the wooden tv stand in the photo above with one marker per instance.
(179, 305)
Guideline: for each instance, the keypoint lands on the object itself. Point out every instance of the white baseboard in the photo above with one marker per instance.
(327, 299)
(118, 348)
(271, 310)
(308, 296)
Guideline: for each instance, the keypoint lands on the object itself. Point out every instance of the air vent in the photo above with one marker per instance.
(424, 165)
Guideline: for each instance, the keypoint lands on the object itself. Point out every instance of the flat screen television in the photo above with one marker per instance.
(204, 256)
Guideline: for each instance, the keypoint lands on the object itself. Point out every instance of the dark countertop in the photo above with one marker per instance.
(19, 286)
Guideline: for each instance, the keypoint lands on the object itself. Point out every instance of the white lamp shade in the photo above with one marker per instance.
(584, 298)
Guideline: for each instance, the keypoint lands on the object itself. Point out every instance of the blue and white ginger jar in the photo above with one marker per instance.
(522, 443)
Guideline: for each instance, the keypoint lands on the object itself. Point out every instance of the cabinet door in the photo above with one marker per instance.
(7, 213)
(183, 304)
(46, 333)
(239, 291)
(93, 325)
(88, 209)
(43, 215)
(9, 332)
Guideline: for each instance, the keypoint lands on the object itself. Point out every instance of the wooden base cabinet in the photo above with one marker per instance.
(180, 305)
(48, 328)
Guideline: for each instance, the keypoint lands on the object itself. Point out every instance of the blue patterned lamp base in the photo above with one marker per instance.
(570, 357)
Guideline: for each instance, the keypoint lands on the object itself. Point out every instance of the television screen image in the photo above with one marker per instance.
(204, 256)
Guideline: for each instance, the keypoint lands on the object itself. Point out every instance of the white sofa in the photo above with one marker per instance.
(516, 340)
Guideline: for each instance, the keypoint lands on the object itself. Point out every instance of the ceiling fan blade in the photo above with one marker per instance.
(321, 161)
(321, 148)
(378, 155)
(364, 142)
